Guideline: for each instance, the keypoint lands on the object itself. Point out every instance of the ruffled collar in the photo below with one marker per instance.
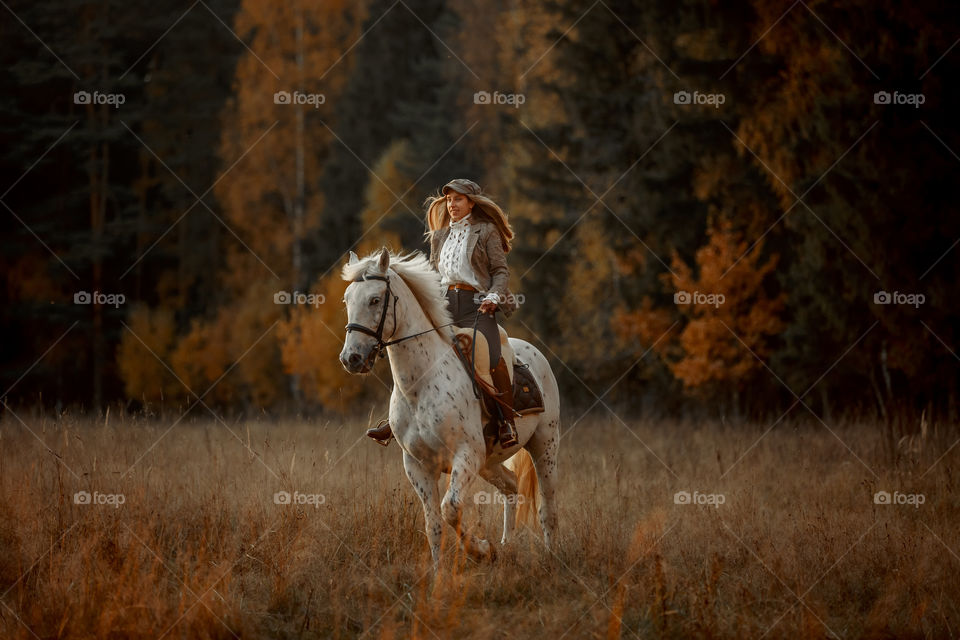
(463, 223)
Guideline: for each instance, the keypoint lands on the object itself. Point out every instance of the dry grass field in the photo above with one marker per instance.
(787, 542)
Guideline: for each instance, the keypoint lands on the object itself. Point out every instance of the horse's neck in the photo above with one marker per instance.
(411, 360)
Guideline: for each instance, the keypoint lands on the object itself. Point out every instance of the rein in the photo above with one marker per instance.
(378, 334)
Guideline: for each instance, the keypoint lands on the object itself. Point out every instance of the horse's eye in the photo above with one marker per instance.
(374, 301)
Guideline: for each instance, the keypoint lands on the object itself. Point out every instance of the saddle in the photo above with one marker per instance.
(527, 397)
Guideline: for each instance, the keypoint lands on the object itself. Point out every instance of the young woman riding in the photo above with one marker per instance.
(470, 237)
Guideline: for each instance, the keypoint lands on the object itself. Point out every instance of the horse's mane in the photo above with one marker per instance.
(416, 272)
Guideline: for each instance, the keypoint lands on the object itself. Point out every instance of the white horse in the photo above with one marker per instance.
(397, 304)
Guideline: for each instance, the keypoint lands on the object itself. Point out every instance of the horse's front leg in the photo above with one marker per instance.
(425, 484)
(464, 469)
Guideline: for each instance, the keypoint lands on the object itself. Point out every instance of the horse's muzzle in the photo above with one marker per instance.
(355, 363)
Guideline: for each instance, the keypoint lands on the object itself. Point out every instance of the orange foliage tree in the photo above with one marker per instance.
(310, 342)
(274, 142)
(235, 352)
(383, 214)
(144, 348)
(729, 314)
(312, 336)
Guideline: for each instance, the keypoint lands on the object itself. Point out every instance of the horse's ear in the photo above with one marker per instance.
(384, 260)
(353, 258)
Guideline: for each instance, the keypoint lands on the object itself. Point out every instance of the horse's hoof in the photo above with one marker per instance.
(484, 552)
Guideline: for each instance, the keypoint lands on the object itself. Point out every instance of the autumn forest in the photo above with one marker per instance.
(731, 209)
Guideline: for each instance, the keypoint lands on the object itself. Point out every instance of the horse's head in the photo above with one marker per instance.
(371, 311)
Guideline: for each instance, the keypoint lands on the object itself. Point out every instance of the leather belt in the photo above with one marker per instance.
(460, 286)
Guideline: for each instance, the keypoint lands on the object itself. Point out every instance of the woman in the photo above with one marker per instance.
(470, 237)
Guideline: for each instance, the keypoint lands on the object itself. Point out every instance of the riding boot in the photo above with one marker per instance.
(381, 433)
(501, 380)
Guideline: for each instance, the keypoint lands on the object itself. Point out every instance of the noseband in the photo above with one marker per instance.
(378, 334)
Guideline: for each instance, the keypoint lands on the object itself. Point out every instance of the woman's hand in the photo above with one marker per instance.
(488, 306)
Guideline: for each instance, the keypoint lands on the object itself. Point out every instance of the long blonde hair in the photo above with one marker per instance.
(483, 209)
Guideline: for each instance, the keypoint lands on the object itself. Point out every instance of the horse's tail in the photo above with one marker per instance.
(527, 486)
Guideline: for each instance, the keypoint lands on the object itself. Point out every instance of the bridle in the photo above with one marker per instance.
(377, 335)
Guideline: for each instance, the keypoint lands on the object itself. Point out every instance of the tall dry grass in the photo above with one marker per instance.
(199, 549)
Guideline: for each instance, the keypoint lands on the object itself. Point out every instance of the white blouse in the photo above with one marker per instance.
(454, 263)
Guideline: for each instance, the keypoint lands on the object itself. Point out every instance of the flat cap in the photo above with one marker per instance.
(464, 186)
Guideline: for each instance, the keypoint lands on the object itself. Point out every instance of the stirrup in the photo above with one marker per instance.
(507, 433)
(511, 435)
(372, 433)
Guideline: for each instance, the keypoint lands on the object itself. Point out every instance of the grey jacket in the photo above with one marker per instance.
(487, 258)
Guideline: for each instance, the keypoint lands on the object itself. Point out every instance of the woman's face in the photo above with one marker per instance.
(458, 205)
